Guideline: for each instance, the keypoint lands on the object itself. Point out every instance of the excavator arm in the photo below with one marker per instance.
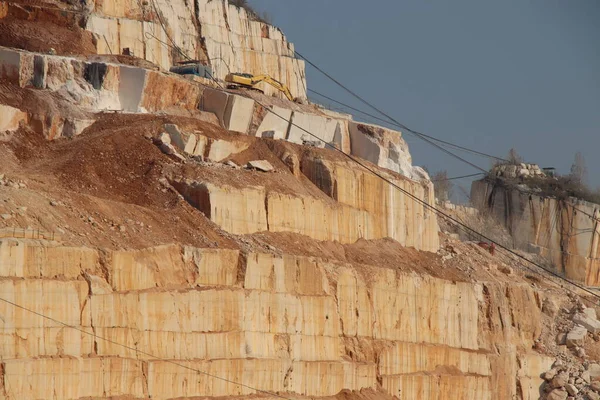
(249, 81)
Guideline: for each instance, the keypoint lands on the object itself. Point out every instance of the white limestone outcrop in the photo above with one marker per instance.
(212, 31)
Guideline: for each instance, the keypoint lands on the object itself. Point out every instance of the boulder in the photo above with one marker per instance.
(183, 141)
(586, 376)
(560, 380)
(557, 394)
(591, 324)
(234, 112)
(590, 312)
(576, 337)
(549, 375)
(275, 124)
(261, 165)
(292, 162)
(11, 118)
(595, 386)
(169, 150)
(571, 389)
(594, 370)
(164, 138)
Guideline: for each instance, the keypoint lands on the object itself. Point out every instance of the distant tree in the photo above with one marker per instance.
(239, 3)
(579, 172)
(442, 186)
(262, 17)
(513, 157)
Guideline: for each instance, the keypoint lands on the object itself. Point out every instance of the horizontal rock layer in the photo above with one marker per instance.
(148, 319)
(366, 207)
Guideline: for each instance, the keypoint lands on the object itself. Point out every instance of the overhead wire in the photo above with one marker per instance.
(402, 126)
(421, 135)
(459, 224)
(363, 165)
(554, 274)
(457, 177)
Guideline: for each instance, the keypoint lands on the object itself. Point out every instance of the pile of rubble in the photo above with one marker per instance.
(513, 171)
(173, 142)
(571, 380)
(564, 382)
(13, 183)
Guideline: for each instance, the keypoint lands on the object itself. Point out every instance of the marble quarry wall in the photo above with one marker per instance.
(283, 323)
(565, 232)
(211, 31)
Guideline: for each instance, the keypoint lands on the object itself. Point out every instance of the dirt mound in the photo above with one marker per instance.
(40, 26)
(103, 188)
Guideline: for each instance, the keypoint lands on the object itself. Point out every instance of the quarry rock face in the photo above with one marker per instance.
(284, 323)
(382, 147)
(213, 242)
(564, 232)
(212, 31)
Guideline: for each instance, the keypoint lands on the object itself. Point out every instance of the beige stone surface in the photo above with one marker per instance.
(275, 123)
(531, 368)
(381, 146)
(31, 259)
(444, 387)
(144, 269)
(218, 267)
(236, 211)
(561, 231)
(286, 274)
(221, 149)
(286, 323)
(408, 222)
(409, 358)
(72, 378)
(10, 118)
(60, 300)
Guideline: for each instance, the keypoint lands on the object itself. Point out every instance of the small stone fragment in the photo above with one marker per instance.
(261, 165)
(591, 324)
(590, 312)
(549, 375)
(594, 371)
(586, 376)
(560, 380)
(571, 389)
(576, 337)
(557, 394)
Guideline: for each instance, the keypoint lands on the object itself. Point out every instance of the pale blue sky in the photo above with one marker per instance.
(487, 75)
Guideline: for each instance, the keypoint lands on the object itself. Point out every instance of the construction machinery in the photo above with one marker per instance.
(193, 67)
(249, 81)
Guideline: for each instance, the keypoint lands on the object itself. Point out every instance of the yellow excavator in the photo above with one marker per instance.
(249, 81)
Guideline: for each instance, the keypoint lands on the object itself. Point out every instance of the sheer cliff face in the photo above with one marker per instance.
(211, 31)
(565, 232)
(282, 323)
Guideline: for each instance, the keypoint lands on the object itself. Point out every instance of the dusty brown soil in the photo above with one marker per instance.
(39, 26)
(104, 187)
